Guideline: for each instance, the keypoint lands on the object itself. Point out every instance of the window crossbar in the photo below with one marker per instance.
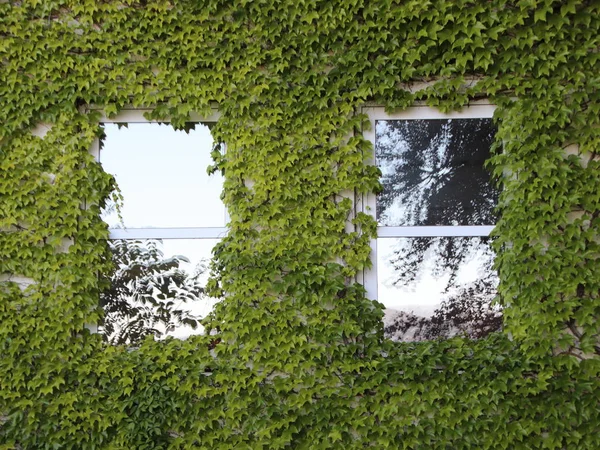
(168, 233)
(434, 231)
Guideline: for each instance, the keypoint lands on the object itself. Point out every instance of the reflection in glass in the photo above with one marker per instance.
(437, 287)
(161, 173)
(433, 172)
(157, 288)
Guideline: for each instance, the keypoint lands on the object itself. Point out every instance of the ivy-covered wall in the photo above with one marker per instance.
(299, 358)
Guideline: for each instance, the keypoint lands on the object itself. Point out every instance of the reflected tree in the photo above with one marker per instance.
(433, 174)
(148, 293)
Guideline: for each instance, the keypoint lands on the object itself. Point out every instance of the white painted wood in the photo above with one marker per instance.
(132, 115)
(474, 111)
(434, 231)
(168, 233)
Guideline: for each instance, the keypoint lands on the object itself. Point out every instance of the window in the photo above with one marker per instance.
(163, 229)
(432, 261)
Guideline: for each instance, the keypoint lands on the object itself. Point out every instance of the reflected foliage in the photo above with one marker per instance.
(468, 313)
(148, 293)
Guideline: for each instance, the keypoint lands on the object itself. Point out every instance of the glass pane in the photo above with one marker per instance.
(157, 288)
(162, 176)
(437, 287)
(433, 172)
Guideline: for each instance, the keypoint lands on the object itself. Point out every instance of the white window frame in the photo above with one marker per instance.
(132, 116)
(368, 202)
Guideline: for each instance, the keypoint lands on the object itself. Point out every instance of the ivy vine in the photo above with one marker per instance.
(297, 357)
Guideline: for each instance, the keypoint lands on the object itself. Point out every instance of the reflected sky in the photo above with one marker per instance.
(162, 176)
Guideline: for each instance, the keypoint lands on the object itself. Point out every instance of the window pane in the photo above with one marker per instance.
(433, 172)
(437, 287)
(157, 289)
(162, 176)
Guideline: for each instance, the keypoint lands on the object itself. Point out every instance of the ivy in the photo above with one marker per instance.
(297, 356)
